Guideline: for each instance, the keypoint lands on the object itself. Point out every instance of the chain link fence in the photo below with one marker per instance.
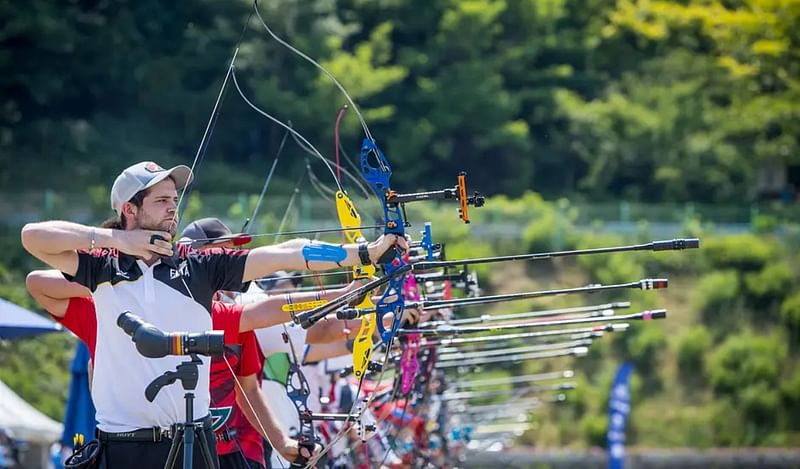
(305, 212)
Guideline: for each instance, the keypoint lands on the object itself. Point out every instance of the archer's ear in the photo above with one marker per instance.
(129, 210)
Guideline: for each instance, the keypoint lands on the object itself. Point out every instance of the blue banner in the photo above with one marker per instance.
(79, 412)
(619, 406)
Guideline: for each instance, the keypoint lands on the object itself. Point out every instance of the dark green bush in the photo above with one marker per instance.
(645, 346)
(760, 404)
(790, 310)
(743, 252)
(551, 227)
(765, 223)
(744, 360)
(770, 284)
(715, 295)
(594, 429)
(692, 348)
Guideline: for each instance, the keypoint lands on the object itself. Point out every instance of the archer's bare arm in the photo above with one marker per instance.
(52, 291)
(321, 352)
(265, 260)
(332, 330)
(261, 418)
(268, 312)
(56, 242)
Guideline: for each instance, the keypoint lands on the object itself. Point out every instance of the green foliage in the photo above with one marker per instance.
(617, 268)
(760, 404)
(652, 100)
(550, 228)
(790, 391)
(742, 252)
(790, 310)
(193, 207)
(467, 249)
(611, 268)
(644, 347)
(99, 201)
(716, 296)
(771, 284)
(746, 360)
(693, 346)
(39, 370)
(745, 370)
(594, 429)
(728, 424)
(765, 223)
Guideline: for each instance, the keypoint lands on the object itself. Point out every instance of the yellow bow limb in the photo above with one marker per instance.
(350, 220)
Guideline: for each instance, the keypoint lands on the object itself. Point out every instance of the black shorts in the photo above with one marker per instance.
(152, 455)
(237, 461)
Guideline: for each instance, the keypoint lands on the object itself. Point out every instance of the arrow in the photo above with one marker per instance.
(577, 351)
(533, 401)
(644, 284)
(499, 429)
(487, 346)
(664, 245)
(643, 316)
(514, 350)
(606, 309)
(516, 392)
(514, 379)
(616, 327)
(309, 318)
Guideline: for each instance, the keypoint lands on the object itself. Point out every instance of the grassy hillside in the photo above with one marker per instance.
(720, 371)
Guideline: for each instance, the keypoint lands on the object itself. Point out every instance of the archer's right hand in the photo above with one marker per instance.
(138, 243)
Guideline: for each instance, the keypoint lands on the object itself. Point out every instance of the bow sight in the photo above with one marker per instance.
(458, 192)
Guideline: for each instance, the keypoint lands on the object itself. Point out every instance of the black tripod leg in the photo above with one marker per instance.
(204, 449)
(177, 439)
(188, 445)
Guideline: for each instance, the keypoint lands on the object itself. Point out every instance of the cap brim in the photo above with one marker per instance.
(181, 174)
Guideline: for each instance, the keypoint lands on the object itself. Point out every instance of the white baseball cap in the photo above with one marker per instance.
(142, 176)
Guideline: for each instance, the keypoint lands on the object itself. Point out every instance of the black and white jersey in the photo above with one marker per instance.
(174, 294)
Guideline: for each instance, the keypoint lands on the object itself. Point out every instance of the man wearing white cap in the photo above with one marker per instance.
(134, 268)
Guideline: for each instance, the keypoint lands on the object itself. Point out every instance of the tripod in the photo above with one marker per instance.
(184, 433)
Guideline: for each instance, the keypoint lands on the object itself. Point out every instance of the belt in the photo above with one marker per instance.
(153, 434)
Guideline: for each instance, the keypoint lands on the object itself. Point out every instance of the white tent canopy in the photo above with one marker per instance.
(24, 420)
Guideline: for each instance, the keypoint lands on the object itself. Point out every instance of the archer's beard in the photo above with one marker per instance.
(145, 223)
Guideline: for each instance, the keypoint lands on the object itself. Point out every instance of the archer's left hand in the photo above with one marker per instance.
(378, 248)
(291, 450)
(411, 316)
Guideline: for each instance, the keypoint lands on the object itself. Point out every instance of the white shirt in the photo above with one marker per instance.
(270, 339)
(174, 294)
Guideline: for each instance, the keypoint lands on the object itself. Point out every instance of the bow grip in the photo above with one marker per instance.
(301, 461)
(390, 254)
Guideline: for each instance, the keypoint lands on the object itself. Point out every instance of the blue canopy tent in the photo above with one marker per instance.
(17, 322)
(79, 416)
